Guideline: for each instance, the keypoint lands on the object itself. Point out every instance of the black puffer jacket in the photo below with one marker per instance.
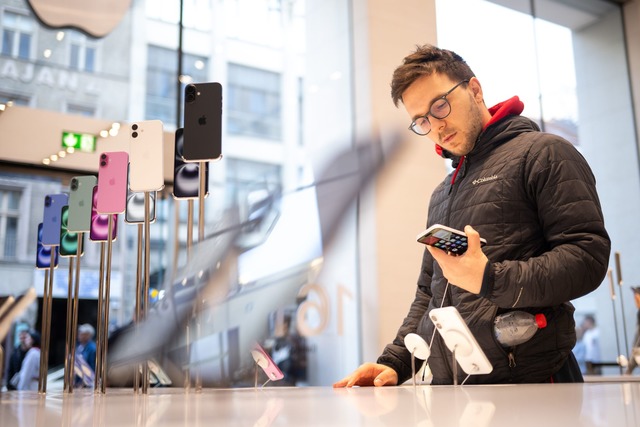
(532, 196)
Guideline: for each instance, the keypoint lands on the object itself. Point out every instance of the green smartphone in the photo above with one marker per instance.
(80, 199)
(68, 239)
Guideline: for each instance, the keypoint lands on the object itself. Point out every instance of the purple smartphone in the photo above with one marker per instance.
(43, 253)
(112, 182)
(267, 364)
(100, 223)
(52, 218)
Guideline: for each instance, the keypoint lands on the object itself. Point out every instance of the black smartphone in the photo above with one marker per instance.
(43, 253)
(450, 240)
(68, 239)
(134, 214)
(186, 176)
(202, 122)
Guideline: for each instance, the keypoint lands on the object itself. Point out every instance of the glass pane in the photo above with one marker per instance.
(7, 42)
(10, 238)
(13, 200)
(24, 49)
(89, 59)
(74, 59)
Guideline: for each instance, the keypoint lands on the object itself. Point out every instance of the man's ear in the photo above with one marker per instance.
(476, 89)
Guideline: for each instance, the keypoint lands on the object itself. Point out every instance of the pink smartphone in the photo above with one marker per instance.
(146, 156)
(112, 182)
(100, 223)
(267, 364)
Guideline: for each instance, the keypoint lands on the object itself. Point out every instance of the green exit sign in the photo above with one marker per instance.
(80, 141)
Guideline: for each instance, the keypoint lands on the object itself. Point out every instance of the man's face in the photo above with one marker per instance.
(22, 337)
(456, 133)
(84, 337)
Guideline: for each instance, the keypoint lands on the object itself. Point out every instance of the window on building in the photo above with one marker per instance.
(81, 110)
(162, 68)
(7, 98)
(253, 102)
(9, 214)
(82, 54)
(17, 34)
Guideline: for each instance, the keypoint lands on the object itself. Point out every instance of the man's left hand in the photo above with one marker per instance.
(465, 271)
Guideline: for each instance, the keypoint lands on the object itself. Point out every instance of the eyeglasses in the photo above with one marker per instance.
(440, 109)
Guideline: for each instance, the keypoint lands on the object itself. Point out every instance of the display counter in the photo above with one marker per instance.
(588, 404)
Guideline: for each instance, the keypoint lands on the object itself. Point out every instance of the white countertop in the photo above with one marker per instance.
(539, 405)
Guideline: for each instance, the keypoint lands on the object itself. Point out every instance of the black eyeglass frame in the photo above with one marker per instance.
(413, 126)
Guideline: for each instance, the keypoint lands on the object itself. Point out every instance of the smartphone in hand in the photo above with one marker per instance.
(186, 176)
(146, 156)
(450, 240)
(267, 364)
(202, 122)
(100, 223)
(80, 200)
(43, 253)
(52, 217)
(112, 182)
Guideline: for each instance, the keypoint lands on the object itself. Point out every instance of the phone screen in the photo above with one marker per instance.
(448, 239)
(186, 176)
(68, 239)
(100, 223)
(134, 213)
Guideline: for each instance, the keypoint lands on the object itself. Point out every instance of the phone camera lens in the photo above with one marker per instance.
(134, 127)
(103, 163)
(103, 156)
(134, 134)
(190, 93)
(47, 201)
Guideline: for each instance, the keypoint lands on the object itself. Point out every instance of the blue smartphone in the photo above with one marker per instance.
(43, 253)
(52, 218)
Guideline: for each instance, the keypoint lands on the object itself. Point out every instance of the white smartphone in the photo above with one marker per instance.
(146, 156)
(456, 335)
(450, 240)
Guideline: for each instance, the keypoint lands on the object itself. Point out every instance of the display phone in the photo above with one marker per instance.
(267, 364)
(43, 253)
(20, 304)
(68, 239)
(112, 182)
(80, 200)
(450, 240)
(100, 223)
(146, 156)
(202, 122)
(52, 217)
(456, 335)
(134, 214)
(186, 176)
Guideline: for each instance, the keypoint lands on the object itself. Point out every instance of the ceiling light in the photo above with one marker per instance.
(70, 150)
(46, 161)
(62, 154)
(104, 133)
(60, 36)
(54, 157)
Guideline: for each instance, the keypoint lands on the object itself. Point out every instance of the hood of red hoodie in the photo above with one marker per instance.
(511, 107)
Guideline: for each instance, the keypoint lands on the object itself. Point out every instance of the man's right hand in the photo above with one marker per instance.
(369, 374)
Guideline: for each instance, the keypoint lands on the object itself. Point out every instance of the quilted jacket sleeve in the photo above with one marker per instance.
(560, 184)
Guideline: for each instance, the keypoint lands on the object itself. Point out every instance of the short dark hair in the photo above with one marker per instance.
(424, 61)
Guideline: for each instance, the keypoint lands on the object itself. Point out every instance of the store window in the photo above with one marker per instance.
(82, 55)
(253, 102)
(17, 35)
(162, 69)
(9, 215)
(81, 110)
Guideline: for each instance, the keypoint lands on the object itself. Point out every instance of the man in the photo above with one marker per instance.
(591, 339)
(86, 345)
(17, 356)
(531, 195)
(635, 347)
(30, 371)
